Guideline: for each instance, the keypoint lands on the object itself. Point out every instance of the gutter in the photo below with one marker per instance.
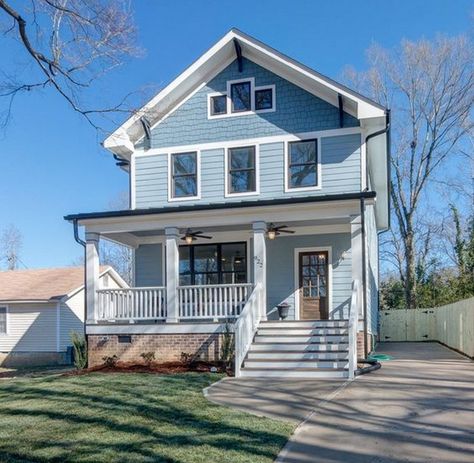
(83, 244)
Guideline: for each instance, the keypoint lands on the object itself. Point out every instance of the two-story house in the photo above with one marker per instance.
(254, 181)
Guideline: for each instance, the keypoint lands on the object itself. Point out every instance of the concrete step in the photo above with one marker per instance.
(301, 338)
(297, 355)
(266, 364)
(305, 324)
(263, 330)
(303, 373)
(275, 345)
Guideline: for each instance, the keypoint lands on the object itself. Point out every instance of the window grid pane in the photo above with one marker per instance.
(302, 164)
(242, 175)
(240, 96)
(184, 166)
(263, 99)
(218, 105)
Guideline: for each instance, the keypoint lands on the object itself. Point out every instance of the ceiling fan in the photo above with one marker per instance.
(273, 231)
(190, 236)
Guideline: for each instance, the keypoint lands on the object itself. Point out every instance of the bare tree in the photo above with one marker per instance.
(68, 45)
(430, 88)
(11, 242)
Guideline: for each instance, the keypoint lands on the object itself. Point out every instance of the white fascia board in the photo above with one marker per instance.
(205, 67)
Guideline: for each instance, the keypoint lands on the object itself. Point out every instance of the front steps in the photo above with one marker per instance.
(299, 349)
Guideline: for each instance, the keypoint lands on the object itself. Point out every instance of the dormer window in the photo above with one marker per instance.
(241, 98)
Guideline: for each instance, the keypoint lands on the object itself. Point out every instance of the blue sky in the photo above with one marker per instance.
(51, 162)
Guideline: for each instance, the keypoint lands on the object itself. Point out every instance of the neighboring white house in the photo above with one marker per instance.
(39, 309)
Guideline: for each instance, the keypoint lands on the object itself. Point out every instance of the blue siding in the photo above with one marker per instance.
(149, 265)
(340, 171)
(281, 271)
(296, 111)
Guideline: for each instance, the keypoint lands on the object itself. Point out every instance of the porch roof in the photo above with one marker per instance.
(219, 206)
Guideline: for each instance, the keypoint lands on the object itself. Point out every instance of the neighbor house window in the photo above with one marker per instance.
(302, 164)
(241, 96)
(264, 99)
(242, 170)
(208, 264)
(218, 104)
(184, 177)
(3, 320)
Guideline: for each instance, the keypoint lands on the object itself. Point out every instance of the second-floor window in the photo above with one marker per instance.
(302, 164)
(184, 175)
(241, 170)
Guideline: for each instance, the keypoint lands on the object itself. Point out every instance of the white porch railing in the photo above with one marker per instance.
(246, 326)
(212, 301)
(353, 322)
(131, 304)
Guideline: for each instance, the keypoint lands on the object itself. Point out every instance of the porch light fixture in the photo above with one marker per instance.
(190, 236)
(273, 231)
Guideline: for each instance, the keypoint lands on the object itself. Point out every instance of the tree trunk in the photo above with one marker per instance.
(410, 272)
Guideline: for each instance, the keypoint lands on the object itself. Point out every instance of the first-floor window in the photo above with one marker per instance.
(242, 173)
(3, 320)
(210, 264)
(184, 175)
(302, 164)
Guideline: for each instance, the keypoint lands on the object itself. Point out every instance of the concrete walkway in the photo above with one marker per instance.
(418, 408)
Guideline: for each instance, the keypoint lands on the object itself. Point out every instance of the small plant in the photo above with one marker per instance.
(227, 348)
(148, 357)
(187, 358)
(79, 346)
(110, 361)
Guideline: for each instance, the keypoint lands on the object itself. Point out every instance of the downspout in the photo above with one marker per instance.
(83, 244)
(385, 130)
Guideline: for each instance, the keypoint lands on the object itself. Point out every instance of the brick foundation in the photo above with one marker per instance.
(360, 344)
(167, 347)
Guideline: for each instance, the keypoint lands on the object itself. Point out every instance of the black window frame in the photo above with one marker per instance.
(174, 175)
(299, 164)
(232, 85)
(264, 89)
(219, 272)
(230, 171)
(4, 309)
(211, 104)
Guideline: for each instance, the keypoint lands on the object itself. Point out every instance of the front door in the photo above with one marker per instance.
(313, 285)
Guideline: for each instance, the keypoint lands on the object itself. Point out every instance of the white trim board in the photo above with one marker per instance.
(327, 249)
(163, 328)
(249, 141)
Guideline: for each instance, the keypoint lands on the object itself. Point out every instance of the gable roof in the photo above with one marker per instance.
(50, 284)
(121, 142)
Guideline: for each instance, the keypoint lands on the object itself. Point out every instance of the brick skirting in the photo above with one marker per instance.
(360, 344)
(167, 347)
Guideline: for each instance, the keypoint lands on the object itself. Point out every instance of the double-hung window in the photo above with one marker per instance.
(3, 320)
(184, 175)
(242, 171)
(302, 162)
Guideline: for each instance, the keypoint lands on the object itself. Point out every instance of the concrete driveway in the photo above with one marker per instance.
(418, 408)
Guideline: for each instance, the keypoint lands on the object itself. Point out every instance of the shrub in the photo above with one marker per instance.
(110, 361)
(187, 358)
(80, 350)
(148, 357)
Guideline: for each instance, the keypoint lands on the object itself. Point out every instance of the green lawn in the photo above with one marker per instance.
(129, 418)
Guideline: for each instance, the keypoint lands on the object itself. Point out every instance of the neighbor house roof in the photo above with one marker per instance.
(49, 284)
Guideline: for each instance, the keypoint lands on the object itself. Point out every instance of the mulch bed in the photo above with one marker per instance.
(167, 368)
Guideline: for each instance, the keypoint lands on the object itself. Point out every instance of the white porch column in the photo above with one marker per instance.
(172, 274)
(260, 261)
(356, 251)
(92, 276)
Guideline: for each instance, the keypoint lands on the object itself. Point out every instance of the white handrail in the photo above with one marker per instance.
(147, 303)
(246, 326)
(212, 301)
(353, 322)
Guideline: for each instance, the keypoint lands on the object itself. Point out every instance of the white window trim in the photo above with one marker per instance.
(170, 177)
(318, 168)
(227, 193)
(273, 89)
(209, 106)
(296, 298)
(6, 320)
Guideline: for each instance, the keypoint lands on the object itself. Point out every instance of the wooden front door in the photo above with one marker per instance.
(313, 285)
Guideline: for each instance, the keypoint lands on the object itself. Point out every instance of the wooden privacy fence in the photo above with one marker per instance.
(451, 324)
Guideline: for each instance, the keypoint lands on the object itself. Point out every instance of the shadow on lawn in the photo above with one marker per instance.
(128, 418)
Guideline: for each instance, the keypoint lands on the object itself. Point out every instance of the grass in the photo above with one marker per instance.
(125, 418)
